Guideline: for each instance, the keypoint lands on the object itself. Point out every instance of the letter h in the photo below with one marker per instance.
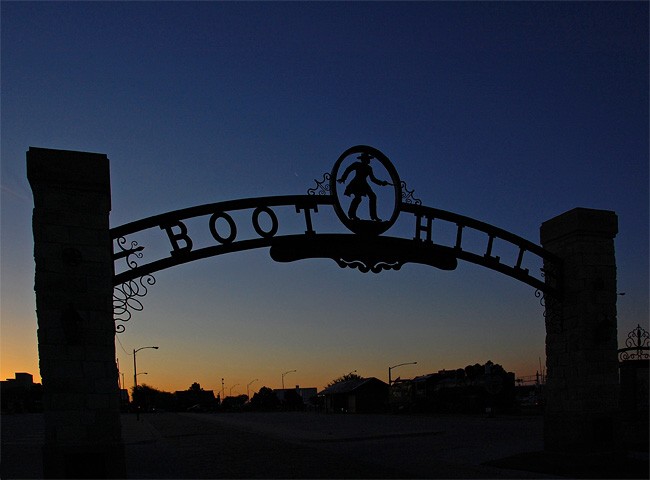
(419, 228)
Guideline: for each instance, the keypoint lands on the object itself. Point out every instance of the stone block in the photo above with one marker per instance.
(580, 221)
(99, 401)
(68, 169)
(93, 369)
(73, 220)
(51, 233)
(108, 385)
(66, 401)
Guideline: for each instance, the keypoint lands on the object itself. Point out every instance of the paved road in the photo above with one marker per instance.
(300, 445)
(296, 445)
(307, 445)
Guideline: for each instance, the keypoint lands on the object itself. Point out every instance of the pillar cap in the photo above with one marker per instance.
(583, 221)
(68, 167)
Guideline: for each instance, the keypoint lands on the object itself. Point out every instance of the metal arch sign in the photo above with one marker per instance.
(365, 249)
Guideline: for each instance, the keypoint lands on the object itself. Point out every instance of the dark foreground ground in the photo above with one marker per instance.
(308, 445)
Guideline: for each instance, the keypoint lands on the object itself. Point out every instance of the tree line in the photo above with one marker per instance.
(146, 398)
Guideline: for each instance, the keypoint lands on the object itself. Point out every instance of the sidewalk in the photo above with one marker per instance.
(136, 431)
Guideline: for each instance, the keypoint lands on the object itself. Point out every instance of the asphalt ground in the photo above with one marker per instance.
(311, 445)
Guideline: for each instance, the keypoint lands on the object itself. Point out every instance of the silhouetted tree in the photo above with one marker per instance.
(196, 399)
(148, 398)
(292, 400)
(234, 403)
(265, 399)
(345, 378)
(473, 371)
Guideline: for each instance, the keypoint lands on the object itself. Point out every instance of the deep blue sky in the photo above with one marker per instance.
(508, 112)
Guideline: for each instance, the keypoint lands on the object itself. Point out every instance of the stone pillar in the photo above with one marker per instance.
(581, 344)
(76, 331)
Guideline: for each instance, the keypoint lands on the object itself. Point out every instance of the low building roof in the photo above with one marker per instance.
(349, 386)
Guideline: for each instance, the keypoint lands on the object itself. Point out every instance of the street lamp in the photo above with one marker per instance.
(247, 392)
(232, 388)
(395, 366)
(285, 373)
(135, 370)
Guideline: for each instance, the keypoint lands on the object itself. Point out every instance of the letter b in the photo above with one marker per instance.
(175, 237)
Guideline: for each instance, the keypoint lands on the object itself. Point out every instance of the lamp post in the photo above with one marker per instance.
(395, 366)
(135, 369)
(285, 373)
(135, 379)
(247, 392)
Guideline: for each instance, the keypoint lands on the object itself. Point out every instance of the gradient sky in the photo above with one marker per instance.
(510, 113)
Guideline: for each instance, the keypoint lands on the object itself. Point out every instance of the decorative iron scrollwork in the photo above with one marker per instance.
(125, 299)
(552, 313)
(127, 252)
(637, 345)
(365, 267)
(322, 187)
(125, 295)
(542, 299)
(407, 195)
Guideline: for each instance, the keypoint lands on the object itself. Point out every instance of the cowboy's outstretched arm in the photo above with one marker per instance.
(378, 182)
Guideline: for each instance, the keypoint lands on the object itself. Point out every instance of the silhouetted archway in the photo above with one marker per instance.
(89, 276)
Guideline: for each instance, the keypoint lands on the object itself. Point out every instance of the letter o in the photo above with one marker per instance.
(256, 222)
(213, 227)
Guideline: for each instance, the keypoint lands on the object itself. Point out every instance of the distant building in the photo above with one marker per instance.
(307, 394)
(196, 400)
(124, 399)
(21, 394)
(360, 395)
(476, 388)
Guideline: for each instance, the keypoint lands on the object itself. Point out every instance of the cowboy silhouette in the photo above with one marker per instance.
(359, 186)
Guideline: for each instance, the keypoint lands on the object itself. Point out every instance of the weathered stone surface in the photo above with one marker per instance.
(76, 332)
(581, 344)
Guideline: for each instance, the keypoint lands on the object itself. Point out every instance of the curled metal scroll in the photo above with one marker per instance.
(126, 253)
(125, 295)
(322, 187)
(125, 299)
(407, 195)
(542, 299)
(552, 314)
(365, 267)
